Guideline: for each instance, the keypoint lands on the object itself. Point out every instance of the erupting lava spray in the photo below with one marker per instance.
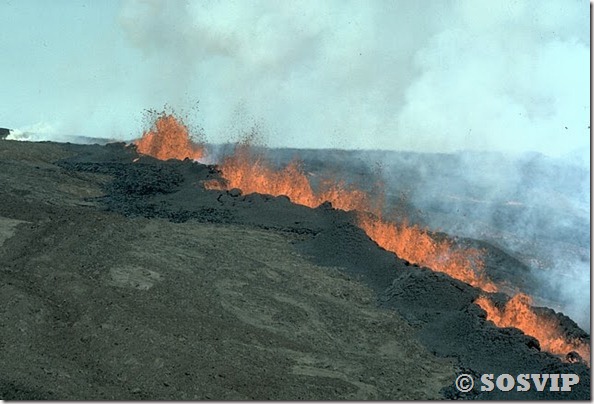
(253, 174)
(169, 139)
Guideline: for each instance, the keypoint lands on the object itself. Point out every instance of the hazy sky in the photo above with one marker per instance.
(399, 74)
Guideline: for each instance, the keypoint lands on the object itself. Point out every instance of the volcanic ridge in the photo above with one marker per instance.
(133, 271)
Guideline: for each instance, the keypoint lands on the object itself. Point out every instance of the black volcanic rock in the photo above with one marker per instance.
(4, 133)
(149, 194)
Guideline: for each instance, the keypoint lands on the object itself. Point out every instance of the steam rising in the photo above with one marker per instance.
(383, 74)
(400, 75)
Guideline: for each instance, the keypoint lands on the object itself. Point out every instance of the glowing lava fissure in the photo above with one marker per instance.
(169, 139)
(253, 174)
(418, 247)
(518, 313)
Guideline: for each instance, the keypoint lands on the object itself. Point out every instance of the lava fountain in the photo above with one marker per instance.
(169, 139)
(253, 174)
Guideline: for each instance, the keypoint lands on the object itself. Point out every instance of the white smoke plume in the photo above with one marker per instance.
(438, 77)
(38, 132)
(43, 131)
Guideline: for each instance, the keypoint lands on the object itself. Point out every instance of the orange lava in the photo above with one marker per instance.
(169, 139)
(518, 313)
(418, 247)
(251, 173)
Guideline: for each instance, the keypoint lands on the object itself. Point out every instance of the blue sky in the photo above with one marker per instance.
(437, 76)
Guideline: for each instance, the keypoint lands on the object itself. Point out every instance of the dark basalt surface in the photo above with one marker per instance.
(74, 302)
(440, 308)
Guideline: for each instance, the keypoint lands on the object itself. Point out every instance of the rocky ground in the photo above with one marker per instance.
(127, 280)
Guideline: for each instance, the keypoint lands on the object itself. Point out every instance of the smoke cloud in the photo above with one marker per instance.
(460, 75)
(510, 75)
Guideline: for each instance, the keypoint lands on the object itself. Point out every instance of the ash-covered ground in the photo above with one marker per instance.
(126, 279)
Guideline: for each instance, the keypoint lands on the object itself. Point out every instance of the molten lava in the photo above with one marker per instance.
(518, 313)
(251, 173)
(417, 246)
(169, 139)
